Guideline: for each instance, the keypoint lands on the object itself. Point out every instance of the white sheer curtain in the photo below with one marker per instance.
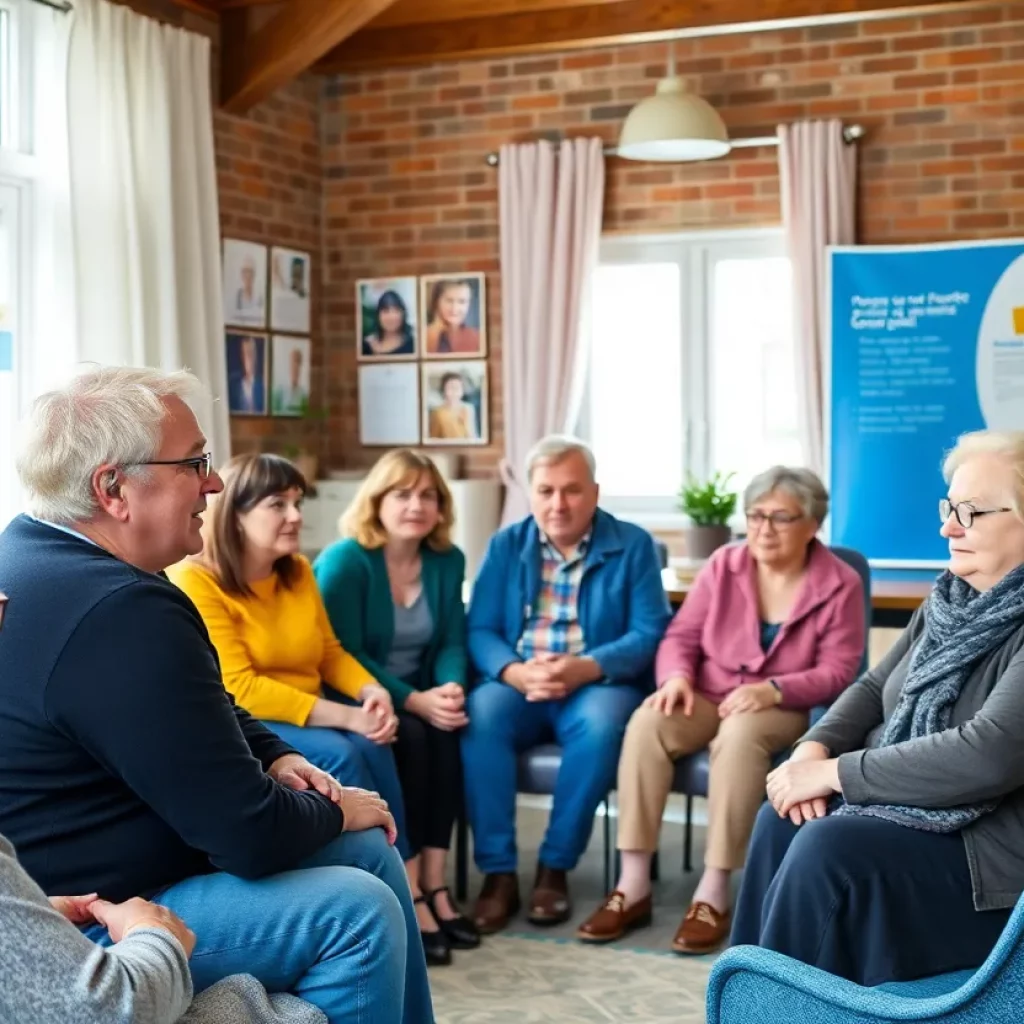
(551, 204)
(144, 200)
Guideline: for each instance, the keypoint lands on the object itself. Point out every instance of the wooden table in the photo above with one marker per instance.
(895, 593)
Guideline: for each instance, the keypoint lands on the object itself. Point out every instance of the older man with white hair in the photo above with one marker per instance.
(567, 612)
(126, 770)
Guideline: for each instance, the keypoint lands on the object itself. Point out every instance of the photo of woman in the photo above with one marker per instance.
(455, 403)
(456, 315)
(386, 325)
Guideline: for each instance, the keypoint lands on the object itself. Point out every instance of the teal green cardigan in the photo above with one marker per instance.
(357, 593)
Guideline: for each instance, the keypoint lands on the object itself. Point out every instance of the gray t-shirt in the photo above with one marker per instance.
(414, 626)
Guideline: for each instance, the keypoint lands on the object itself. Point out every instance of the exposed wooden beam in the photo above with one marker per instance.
(603, 24)
(423, 12)
(292, 40)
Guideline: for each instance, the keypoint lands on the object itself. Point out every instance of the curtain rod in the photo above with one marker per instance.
(851, 133)
(57, 5)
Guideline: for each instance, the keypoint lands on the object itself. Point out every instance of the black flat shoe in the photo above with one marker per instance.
(460, 931)
(436, 949)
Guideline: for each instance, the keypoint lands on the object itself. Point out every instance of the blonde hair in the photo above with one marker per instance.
(1007, 443)
(401, 467)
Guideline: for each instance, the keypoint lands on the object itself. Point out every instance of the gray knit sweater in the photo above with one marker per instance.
(50, 973)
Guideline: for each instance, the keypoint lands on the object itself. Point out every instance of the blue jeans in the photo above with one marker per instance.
(588, 725)
(354, 761)
(339, 932)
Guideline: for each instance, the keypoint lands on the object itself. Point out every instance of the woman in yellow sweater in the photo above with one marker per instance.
(279, 656)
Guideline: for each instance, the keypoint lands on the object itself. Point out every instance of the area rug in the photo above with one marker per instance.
(530, 980)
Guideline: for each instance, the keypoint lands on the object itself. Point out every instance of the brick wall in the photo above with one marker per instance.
(406, 189)
(270, 179)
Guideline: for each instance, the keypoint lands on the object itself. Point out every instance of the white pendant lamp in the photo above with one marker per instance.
(673, 126)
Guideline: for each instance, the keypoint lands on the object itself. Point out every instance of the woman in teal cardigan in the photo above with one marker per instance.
(393, 592)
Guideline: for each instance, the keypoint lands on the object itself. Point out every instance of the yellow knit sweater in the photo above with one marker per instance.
(275, 647)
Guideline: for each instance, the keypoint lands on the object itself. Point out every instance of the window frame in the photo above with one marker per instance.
(695, 252)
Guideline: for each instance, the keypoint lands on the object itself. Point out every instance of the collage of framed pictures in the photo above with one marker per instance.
(266, 328)
(440, 322)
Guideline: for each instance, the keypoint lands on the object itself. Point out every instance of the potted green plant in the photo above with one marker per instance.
(709, 506)
(306, 459)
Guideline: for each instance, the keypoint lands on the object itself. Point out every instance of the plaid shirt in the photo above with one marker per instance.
(553, 626)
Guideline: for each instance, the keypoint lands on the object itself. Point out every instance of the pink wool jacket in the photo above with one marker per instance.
(715, 638)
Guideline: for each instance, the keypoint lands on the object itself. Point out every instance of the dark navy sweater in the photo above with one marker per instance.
(125, 766)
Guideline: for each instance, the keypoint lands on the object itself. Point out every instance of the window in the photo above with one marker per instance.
(36, 338)
(691, 365)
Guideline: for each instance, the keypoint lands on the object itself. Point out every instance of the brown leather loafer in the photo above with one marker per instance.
(703, 929)
(613, 919)
(549, 901)
(497, 902)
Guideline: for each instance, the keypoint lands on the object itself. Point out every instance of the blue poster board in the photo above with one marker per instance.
(6, 351)
(927, 342)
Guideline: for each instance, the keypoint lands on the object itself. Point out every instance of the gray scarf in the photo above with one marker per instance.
(962, 626)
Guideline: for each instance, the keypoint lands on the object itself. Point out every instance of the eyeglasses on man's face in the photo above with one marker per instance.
(202, 464)
(965, 512)
(779, 520)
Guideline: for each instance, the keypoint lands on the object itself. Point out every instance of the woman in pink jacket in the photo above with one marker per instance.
(770, 629)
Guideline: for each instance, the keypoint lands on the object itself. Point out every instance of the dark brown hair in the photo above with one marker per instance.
(248, 479)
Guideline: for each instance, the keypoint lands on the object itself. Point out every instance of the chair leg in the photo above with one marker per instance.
(607, 844)
(688, 835)
(655, 867)
(461, 857)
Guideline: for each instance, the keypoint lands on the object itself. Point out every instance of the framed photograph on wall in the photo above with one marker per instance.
(454, 402)
(389, 413)
(247, 359)
(289, 375)
(453, 308)
(245, 283)
(386, 318)
(290, 278)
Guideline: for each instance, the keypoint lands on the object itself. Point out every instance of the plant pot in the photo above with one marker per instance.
(703, 541)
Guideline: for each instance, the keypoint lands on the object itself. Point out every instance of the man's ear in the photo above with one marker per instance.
(107, 489)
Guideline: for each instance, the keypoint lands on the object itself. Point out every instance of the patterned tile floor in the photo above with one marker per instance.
(531, 975)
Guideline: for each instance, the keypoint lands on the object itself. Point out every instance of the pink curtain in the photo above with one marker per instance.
(551, 203)
(818, 177)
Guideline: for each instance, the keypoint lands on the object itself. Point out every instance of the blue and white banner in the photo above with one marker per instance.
(926, 342)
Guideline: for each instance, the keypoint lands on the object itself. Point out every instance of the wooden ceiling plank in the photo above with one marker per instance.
(254, 65)
(423, 12)
(625, 21)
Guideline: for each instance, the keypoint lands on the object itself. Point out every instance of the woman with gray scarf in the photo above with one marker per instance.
(892, 843)
(50, 973)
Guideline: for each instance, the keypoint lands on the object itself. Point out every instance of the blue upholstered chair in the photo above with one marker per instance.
(749, 985)
(691, 773)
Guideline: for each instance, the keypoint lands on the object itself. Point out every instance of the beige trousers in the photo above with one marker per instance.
(742, 747)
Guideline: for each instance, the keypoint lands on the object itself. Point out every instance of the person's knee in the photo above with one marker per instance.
(599, 723)
(338, 754)
(739, 735)
(643, 734)
(831, 847)
(492, 709)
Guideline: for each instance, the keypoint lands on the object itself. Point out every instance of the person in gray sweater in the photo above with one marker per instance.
(50, 973)
(892, 843)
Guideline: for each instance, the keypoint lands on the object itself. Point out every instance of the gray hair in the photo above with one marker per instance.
(556, 447)
(108, 414)
(803, 485)
(1008, 443)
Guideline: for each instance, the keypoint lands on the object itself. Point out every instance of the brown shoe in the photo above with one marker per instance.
(497, 902)
(549, 901)
(613, 919)
(703, 929)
